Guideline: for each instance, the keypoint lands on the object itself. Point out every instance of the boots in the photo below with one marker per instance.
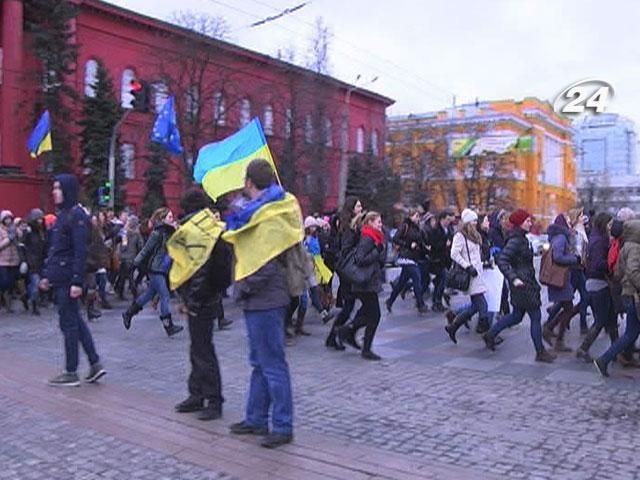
(92, 310)
(455, 325)
(547, 334)
(223, 323)
(347, 335)
(299, 328)
(169, 326)
(34, 308)
(560, 346)
(132, 311)
(331, 342)
(544, 356)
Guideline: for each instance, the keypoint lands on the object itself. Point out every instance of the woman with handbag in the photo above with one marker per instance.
(155, 260)
(369, 257)
(466, 253)
(563, 255)
(515, 261)
(9, 258)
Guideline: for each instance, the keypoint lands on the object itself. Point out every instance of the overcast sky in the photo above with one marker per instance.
(424, 52)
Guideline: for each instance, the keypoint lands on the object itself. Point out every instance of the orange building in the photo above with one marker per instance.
(496, 154)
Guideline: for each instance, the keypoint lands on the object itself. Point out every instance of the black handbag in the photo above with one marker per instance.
(457, 277)
(348, 269)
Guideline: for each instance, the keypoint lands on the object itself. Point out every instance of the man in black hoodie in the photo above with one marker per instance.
(64, 271)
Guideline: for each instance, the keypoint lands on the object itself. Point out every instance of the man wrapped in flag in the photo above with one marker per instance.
(261, 232)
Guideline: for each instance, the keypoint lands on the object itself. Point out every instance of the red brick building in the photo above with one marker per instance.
(236, 85)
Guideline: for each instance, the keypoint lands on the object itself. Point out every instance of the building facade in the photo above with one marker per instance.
(496, 154)
(303, 114)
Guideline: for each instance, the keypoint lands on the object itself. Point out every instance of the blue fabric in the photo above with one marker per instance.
(630, 335)
(157, 285)
(33, 289)
(312, 244)
(514, 318)
(413, 273)
(270, 385)
(165, 130)
(41, 130)
(239, 218)
(74, 329)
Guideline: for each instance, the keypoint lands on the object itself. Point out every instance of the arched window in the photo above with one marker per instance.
(308, 129)
(268, 120)
(219, 112)
(374, 142)
(125, 96)
(192, 103)
(90, 77)
(360, 140)
(160, 95)
(245, 112)
(328, 134)
(288, 123)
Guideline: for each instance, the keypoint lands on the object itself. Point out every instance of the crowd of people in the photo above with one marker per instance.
(77, 257)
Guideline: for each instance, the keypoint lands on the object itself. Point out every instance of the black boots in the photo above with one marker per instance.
(132, 311)
(455, 325)
(169, 326)
(92, 310)
(331, 342)
(34, 308)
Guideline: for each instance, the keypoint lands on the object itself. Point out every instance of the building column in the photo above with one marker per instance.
(12, 45)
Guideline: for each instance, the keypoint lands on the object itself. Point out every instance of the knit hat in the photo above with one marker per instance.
(6, 214)
(310, 222)
(518, 217)
(468, 216)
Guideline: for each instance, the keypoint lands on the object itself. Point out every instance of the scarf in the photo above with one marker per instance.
(241, 217)
(375, 235)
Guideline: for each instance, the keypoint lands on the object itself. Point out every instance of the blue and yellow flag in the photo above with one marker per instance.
(221, 166)
(165, 129)
(40, 139)
(191, 245)
(272, 229)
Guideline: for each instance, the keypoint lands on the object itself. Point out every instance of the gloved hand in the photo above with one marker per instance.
(472, 271)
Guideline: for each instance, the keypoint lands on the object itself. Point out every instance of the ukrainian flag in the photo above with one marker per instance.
(272, 229)
(221, 166)
(40, 139)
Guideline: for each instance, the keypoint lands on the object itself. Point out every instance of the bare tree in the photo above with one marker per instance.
(318, 54)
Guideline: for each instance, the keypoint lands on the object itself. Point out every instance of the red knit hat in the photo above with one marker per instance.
(518, 217)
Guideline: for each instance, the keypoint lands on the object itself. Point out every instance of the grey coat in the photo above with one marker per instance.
(561, 253)
(266, 289)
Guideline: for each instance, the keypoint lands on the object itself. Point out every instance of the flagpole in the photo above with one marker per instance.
(112, 157)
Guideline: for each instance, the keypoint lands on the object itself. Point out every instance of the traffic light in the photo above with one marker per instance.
(104, 194)
(139, 90)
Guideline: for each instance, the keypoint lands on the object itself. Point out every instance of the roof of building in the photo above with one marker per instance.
(171, 28)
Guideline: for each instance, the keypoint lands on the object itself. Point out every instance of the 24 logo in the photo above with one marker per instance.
(589, 94)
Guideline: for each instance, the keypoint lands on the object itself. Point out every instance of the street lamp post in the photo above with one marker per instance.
(344, 141)
(112, 157)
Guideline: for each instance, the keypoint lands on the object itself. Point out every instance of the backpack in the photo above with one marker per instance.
(294, 263)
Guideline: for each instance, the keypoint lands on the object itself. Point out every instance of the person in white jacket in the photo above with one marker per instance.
(465, 251)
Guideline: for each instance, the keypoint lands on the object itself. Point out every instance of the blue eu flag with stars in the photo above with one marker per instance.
(165, 131)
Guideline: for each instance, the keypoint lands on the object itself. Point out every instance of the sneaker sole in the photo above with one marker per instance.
(71, 384)
(96, 377)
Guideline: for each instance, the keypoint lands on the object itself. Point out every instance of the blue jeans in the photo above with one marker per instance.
(579, 283)
(516, 317)
(314, 293)
(413, 273)
(478, 305)
(157, 285)
(270, 385)
(630, 334)
(33, 289)
(101, 281)
(74, 330)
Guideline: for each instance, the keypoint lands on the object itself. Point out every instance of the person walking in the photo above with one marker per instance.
(515, 261)
(130, 245)
(466, 252)
(9, 258)
(64, 271)
(35, 242)
(153, 258)
(369, 256)
(440, 239)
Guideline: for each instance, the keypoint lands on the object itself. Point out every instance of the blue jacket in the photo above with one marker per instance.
(67, 256)
(559, 237)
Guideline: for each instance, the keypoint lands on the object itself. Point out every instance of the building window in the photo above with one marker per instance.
(126, 98)
(127, 160)
(268, 120)
(160, 95)
(245, 112)
(219, 111)
(360, 140)
(374, 142)
(288, 123)
(308, 129)
(90, 78)
(328, 133)
(192, 103)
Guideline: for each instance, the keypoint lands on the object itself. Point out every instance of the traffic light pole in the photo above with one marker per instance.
(112, 157)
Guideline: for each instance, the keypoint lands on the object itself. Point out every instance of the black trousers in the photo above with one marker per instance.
(204, 380)
(368, 316)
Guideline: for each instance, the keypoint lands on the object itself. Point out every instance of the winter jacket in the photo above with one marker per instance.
(134, 245)
(408, 234)
(266, 289)
(439, 256)
(153, 255)
(329, 247)
(9, 256)
(35, 243)
(561, 253)
(485, 248)
(516, 261)
(202, 293)
(369, 255)
(497, 235)
(69, 237)
(628, 266)
(597, 251)
(472, 258)
(98, 255)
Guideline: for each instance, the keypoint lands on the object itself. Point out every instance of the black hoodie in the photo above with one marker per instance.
(66, 261)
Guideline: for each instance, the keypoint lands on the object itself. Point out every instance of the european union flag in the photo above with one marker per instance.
(40, 139)
(165, 131)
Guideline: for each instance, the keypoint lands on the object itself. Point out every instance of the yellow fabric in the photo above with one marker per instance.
(191, 245)
(272, 229)
(45, 146)
(323, 274)
(231, 177)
